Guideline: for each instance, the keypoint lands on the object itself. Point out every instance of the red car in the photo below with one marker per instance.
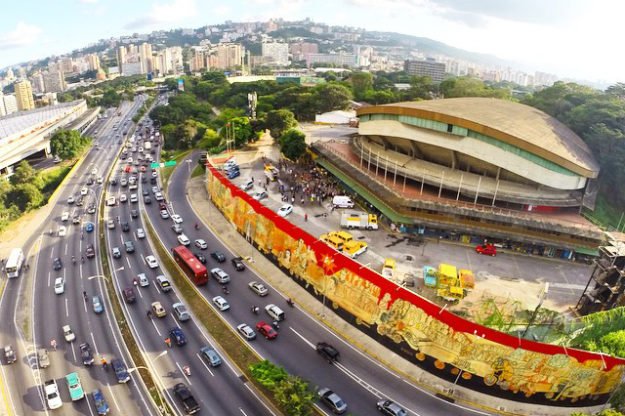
(266, 330)
(486, 249)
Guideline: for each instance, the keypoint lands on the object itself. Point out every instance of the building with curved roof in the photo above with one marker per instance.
(506, 152)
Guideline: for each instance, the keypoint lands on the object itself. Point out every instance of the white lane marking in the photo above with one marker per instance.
(66, 307)
(205, 365)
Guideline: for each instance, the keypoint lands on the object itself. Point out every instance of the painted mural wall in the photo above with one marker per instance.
(436, 340)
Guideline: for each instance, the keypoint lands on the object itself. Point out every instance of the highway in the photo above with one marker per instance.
(218, 390)
(359, 380)
(51, 311)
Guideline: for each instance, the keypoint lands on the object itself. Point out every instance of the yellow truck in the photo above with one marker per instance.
(354, 249)
(359, 220)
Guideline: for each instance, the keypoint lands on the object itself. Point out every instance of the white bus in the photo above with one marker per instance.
(14, 263)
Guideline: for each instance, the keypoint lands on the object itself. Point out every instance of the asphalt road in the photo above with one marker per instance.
(51, 311)
(357, 378)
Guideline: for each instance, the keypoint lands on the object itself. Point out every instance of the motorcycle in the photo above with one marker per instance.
(187, 370)
(290, 302)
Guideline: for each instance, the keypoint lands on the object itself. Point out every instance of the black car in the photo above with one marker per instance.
(328, 351)
(125, 227)
(80, 201)
(57, 264)
(145, 192)
(90, 181)
(153, 181)
(129, 295)
(147, 200)
(200, 257)
(238, 264)
(178, 336)
(134, 213)
(121, 371)
(114, 181)
(219, 256)
(86, 354)
(90, 251)
(189, 403)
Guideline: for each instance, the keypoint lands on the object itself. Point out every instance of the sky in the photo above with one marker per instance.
(571, 38)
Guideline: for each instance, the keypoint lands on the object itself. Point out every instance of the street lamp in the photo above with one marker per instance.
(161, 409)
(248, 234)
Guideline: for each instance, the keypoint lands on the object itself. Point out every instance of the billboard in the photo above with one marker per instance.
(180, 84)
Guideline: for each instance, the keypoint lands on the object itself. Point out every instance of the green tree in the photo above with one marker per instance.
(293, 144)
(295, 396)
(26, 197)
(242, 128)
(279, 121)
(470, 87)
(329, 97)
(362, 84)
(24, 173)
(210, 138)
(66, 144)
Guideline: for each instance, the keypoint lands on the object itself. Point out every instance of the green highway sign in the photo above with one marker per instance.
(155, 165)
(170, 163)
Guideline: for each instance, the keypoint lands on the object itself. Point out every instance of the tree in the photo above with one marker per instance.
(66, 144)
(24, 173)
(279, 121)
(243, 131)
(209, 139)
(293, 144)
(26, 197)
(329, 97)
(470, 87)
(294, 396)
(362, 84)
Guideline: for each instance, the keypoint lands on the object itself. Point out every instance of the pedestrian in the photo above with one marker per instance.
(292, 200)
(168, 342)
(305, 217)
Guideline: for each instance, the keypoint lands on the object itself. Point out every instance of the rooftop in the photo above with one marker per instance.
(25, 120)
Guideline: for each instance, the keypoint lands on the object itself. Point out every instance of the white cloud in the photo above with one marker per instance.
(160, 13)
(23, 34)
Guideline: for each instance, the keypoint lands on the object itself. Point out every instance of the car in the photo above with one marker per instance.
(9, 354)
(285, 210)
(201, 244)
(53, 398)
(84, 191)
(333, 401)
(190, 405)
(80, 201)
(158, 310)
(91, 209)
(163, 283)
(219, 256)
(68, 334)
(155, 190)
(116, 252)
(129, 295)
(260, 195)
(147, 200)
(98, 306)
(76, 391)
(159, 196)
(211, 356)
(237, 263)
(248, 185)
(133, 197)
(134, 213)
(162, 205)
(200, 257)
(59, 286)
(266, 330)
(129, 246)
(145, 192)
(123, 198)
(110, 201)
(275, 312)
(90, 181)
(110, 224)
(114, 181)
(151, 261)
(90, 251)
(99, 180)
(57, 264)
(177, 218)
(62, 231)
(121, 371)
(101, 406)
(164, 214)
(184, 240)
(219, 275)
(181, 311)
(258, 288)
(140, 233)
(70, 200)
(486, 249)
(233, 174)
(328, 351)
(89, 227)
(247, 332)
(143, 280)
(390, 408)
(94, 171)
(86, 354)
(177, 228)
(178, 336)
(43, 359)
(221, 303)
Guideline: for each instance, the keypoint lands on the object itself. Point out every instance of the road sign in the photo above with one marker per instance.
(170, 163)
(155, 165)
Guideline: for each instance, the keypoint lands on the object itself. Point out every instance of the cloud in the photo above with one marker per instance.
(24, 34)
(161, 13)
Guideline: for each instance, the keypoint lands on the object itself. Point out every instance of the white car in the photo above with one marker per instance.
(84, 191)
(177, 218)
(221, 303)
(123, 198)
(154, 189)
(52, 394)
(285, 210)
(184, 240)
(110, 201)
(140, 233)
(59, 285)
(62, 231)
(143, 280)
(65, 216)
(94, 171)
(151, 261)
(68, 334)
(99, 180)
(134, 199)
(201, 244)
(158, 196)
(247, 332)
(258, 288)
(164, 214)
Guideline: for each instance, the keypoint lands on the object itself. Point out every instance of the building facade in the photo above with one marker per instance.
(428, 68)
(24, 95)
(276, 53)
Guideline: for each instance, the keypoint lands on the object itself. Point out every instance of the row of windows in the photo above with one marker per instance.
(464, 132)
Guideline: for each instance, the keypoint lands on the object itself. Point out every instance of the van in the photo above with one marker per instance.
(342, 201)
(181, 311)
(163, 283)
(344, 236)
(275, 312)
(333, 241)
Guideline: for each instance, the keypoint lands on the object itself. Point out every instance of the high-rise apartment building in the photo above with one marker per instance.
(67, 65)
(10, 104)
(337, 59)
(24, 95)
(37, 82)
(228, 56)
(54, 81)
(428, 68)
(3, 110)
(93, 61)
(299, 50)
(145, 57)
(199, 59)
(276, 53)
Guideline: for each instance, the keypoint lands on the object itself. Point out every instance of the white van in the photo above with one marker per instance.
(342, 201)
(276, 313)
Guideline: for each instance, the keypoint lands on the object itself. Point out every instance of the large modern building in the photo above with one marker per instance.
(24, 95)
(489, 148)
(426, 68)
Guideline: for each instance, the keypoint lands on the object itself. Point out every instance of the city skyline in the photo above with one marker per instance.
(573, 39)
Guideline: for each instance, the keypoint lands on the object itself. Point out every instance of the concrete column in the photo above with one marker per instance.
(454, 159)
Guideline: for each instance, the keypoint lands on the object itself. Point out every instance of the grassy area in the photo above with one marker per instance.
(178, 156)
(53, 177)
(198, 171)
(604, 215)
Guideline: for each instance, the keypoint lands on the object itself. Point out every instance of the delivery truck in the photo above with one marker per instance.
(362, 221)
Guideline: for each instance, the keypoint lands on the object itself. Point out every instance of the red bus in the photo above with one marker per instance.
(191, 265)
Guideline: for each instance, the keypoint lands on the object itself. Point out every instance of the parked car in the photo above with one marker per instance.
(43, 359)
(9, 354)
(260, 195)
(51, 390)
(486, 249)
(285, 210)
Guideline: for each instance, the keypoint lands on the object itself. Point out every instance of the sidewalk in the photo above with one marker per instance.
(211, 217)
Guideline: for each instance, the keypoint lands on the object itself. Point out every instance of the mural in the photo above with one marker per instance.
(436, 340)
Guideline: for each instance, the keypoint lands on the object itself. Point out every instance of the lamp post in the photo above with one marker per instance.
(248, 232)
(161, 409)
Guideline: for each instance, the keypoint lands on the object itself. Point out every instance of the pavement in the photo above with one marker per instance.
(198, 197)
